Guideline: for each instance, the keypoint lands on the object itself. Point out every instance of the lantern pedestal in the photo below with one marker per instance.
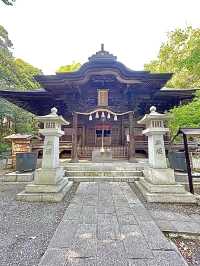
(45, 193)
(158, 184)
(49, 181)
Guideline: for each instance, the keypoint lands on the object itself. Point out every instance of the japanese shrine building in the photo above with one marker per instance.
(103, 101)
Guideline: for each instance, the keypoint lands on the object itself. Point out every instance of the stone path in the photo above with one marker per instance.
(106, 224)
(171, 221)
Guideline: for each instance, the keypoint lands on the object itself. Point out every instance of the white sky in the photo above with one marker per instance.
(50, 33)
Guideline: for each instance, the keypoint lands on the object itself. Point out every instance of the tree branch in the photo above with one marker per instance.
(8, 2)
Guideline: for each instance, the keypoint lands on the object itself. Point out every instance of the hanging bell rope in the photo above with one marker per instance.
(103, 110)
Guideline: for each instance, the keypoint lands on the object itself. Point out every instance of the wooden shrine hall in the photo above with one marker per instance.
(103, 101)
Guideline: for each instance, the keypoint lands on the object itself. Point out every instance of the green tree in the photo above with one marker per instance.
(25, 73)
(181, 56)
(15, 74)
(69, 68)
(8, 2)
(187, 115)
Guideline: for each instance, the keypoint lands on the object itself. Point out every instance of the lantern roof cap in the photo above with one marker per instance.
(54, 117)
(153, 115)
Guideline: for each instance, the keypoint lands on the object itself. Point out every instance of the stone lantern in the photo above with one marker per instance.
(49, 182)
(155, 131)
(158, 183)
(52, 132)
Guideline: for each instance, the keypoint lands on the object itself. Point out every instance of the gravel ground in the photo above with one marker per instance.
(26, 228)
(179, 208)
(189, 248)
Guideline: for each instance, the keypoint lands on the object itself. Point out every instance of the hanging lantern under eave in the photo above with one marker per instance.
(108, 116)
(97, 115)
(90, 117)
(115, 118)
(102, 115)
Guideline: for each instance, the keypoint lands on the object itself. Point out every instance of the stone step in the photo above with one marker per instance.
(101, 168)
(122, 173)
(129, 179)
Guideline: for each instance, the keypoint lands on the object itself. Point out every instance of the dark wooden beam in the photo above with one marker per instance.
(132, 139)
(74, 139)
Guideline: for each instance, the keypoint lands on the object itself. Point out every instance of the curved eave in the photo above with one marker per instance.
(35, 93)
(36, 102)
(179, 93)
(121, 72)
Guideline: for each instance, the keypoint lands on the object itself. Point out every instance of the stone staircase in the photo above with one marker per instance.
(94, 172)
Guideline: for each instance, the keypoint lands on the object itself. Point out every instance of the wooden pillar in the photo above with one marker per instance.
(74, 138)
(132, 139)
(121, 132)
(83, 132)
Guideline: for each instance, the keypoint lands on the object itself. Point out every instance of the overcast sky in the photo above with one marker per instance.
(50, 33)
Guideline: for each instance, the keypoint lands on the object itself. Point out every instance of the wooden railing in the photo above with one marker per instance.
(117, 151)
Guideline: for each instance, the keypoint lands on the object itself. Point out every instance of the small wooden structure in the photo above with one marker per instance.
(20, 143)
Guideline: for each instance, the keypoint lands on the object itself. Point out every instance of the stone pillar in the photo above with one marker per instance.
(132, 139)
(158, 184)
(74, 138)
(49, 182)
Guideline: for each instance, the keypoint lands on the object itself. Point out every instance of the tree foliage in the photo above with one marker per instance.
(69, 68)
(187, 115)
(15, 74)
(181, 56)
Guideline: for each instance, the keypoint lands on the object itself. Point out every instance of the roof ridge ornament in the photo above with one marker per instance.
(102, 55)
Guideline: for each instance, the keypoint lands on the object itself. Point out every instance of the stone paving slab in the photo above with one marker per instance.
(106, 224)
(64, 234)
(169, 221)
(134, 242)
(161, 258)
(154, 237)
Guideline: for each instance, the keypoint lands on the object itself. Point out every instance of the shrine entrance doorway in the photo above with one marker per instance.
(103, 134)
(103, 128)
